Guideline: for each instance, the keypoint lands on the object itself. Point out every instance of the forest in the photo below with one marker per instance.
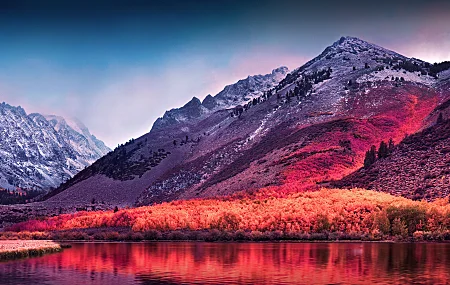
(327, 214)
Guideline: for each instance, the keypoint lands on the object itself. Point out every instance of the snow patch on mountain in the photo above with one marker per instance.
(391, 74)
(246, 89)
(79, 136)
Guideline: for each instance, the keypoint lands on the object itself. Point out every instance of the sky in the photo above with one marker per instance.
(118, 65)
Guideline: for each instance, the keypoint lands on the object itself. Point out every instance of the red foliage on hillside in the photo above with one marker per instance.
(418, 168)
(340, 150)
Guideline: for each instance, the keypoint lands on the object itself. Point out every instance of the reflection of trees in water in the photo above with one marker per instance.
(247, 263)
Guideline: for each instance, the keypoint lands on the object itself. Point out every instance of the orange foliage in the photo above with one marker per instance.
(345, 211)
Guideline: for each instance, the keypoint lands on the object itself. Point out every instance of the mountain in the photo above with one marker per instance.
(272, 133)
(39, 152)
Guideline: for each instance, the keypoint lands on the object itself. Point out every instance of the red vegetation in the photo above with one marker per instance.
(339, 151)
(418, 167)
(358, 212)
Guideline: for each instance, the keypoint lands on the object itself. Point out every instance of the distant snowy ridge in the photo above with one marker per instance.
(231, 96)
(39, 152)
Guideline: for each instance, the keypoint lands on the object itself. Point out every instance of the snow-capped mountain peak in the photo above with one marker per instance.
(39, 151)
(356, 45)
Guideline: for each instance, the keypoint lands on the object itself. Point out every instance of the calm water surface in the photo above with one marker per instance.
(235, 263)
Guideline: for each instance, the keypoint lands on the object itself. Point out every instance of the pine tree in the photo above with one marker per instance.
(391, 146)
(383, 150)
(370, 157)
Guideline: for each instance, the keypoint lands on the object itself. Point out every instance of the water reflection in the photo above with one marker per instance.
(234, 263)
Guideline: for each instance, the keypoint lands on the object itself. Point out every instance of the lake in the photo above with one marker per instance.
(235, 263)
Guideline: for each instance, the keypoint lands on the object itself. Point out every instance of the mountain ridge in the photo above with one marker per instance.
(231, 96)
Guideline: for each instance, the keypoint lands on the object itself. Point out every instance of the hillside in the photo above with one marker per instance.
(301, 131)
(418, 168)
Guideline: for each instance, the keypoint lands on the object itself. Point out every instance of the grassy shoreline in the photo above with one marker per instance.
(13, 249)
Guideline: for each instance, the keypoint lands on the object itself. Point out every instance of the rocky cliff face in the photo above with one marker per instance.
(39, 152)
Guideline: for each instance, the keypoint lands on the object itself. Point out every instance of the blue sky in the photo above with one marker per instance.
(118, 65)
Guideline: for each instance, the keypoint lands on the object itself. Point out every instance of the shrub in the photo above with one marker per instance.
(152, 235)
(213, 235)
(177, 235)
(228, 221)
(381, 222)
(418, 235)
(410, 215)
(241, 235)
(111, 235)
(322, 223)
(399, 228)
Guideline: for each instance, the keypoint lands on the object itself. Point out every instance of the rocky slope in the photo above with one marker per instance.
(309, 128)
(39, 152)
